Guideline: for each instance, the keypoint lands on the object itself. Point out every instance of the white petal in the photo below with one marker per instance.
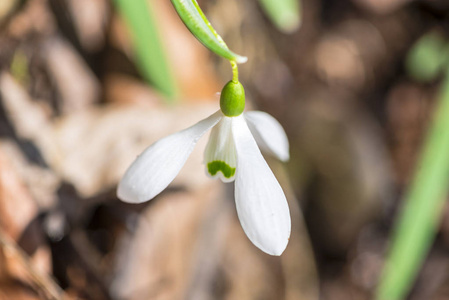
(261, 204)
(269, 134)
(220, 156)
(157, 166)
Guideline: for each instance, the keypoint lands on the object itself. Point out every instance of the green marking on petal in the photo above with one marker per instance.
(220, 166)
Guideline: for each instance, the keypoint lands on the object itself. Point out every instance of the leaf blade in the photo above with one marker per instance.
(149, 50)
(195, 20)
(422, 211)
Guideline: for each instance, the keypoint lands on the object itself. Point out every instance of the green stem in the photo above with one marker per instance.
(235, 71)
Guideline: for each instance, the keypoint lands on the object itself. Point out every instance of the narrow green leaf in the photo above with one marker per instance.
(195, 20)
(422, 209)
(428, 57)
(285, 14)
(150, 54)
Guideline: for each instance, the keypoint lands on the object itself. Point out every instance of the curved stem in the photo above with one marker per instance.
(235, 71)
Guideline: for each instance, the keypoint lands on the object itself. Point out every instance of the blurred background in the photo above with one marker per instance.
(85, 87)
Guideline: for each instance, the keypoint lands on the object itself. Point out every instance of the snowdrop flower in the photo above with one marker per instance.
(231, 154)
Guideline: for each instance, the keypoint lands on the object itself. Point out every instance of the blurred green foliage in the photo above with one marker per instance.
(428, 58)
(149, 50)
(285, 14)
(423, 203)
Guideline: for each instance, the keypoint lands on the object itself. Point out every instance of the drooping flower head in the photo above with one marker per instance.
(231, 154)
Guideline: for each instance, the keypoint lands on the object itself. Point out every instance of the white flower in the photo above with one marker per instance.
(231, 154)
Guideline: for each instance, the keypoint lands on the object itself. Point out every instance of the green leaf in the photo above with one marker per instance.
(285, 14)
(428, 57)
(422, 209)
(150, 54)
(195, 20)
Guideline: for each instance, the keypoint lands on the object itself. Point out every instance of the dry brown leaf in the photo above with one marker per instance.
(33, 17)
(122, 89)
(156, 262)
(24, 279)
(18, 211)
(92, 149)
(90, 19)
(75, 82)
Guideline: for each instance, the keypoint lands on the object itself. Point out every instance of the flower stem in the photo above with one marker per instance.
(235, 71)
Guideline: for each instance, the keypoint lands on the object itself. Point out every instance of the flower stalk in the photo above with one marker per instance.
(235, 71)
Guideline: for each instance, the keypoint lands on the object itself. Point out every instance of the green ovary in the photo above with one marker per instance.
(220, 166)
(232, 99)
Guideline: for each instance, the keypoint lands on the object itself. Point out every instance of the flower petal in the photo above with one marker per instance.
(157, 166)
(220, 156)
(269, 134)
(261, 204)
